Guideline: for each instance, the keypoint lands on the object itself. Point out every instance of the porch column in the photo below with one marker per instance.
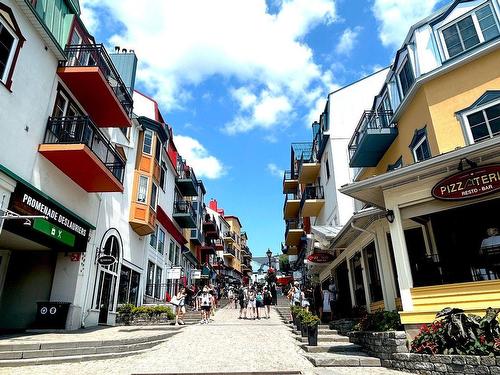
(385, 269)
(366, 287)
(402, 260)
(351, 286)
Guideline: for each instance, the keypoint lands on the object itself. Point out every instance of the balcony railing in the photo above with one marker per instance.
(184, 207)
(230, 250)
(370, 121)
(290, 175)
(292, 224)
(231, 235)
(81, 130)
(186, 173)
(312, 192)
(84, 55)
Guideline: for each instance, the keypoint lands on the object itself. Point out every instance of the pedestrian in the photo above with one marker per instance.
(252, 305)
(205, 303)
(326, 303)
(230, 296)
(243, 300)
(296, 294)
(317, 299)
(305, 299)
(333, 297)
(259, 300)
(268, 299)
(180, 308)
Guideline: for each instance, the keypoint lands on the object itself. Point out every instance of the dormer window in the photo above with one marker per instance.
(474, 28)
(406, 78)
(482, 119)
(420, 145)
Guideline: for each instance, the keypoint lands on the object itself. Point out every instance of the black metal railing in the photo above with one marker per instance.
(230, 250)
(185, 172)
(218, 243)
(96, 55)
(290, 175)
(370, 120)
(230, 234)
(184, 207)
(312, 192)
(289, 197)
(80, 129)
(292, 224)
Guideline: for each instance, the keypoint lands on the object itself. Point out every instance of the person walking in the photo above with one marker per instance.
(259, 300)
(333, 297)
(326, 303)
(268, 299)
(243, 299)
(180, 308)
(252, 305)
(205, 304)
(230, 297)
(296, 294)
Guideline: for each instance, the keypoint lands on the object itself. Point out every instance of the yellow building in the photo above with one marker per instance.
(233, 241)
(427, 159)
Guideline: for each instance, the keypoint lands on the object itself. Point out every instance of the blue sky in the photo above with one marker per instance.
(240, 80)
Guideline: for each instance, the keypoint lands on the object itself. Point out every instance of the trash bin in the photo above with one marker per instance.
(51, 315)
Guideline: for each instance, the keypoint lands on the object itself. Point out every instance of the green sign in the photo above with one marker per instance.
(54, 231)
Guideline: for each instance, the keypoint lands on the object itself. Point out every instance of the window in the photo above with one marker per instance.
(161, 241)
(129, 286)
(327, 166)
(157, 288)
(163, 174)
(11, 41)
(397, 165)
(142, 190)
(477, 27)
(150, 279)
(158, 150)
(420, 145)
(485, 123)
(154, 196)
(406, 77)
(153, 238)
(177, 253)
(171, 254)
(56, 15)
(148, 142)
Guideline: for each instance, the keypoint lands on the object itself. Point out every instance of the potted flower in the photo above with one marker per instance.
(298, 318)
(303, 317)
(311, 322)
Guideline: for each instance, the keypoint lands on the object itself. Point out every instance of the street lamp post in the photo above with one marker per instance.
(269, 254)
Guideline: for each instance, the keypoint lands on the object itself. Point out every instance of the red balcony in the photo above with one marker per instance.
(93, 79)
(84, 154)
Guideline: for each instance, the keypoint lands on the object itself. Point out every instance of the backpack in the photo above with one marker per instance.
(205, 299)
(259, 298)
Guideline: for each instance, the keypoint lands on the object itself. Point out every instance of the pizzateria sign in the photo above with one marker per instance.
(320, 258)
(469, 184)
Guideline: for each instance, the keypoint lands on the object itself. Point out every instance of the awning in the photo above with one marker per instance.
(325, 234)
(361, 219)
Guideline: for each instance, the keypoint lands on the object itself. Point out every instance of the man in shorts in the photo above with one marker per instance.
(243, 300)
(206, 305)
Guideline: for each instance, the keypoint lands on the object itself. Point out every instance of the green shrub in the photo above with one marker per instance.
(454, 332)
(302, 314)
(379, 321)
(310, 320)
(125, 309)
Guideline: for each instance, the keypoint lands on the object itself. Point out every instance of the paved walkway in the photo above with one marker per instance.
(226, 345)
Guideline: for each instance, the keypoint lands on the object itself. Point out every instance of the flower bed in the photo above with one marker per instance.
(144, 315)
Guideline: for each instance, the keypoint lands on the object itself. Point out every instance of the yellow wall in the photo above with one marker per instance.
(435, 105)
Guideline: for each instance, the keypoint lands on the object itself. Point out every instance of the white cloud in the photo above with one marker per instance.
(348, 40)
(274, 170)
(180, 44)
(397, 16)
(197, 157)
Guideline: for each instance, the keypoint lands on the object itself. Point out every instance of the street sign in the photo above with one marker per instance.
(54, 231)
(320, 258)
(195, 274)
(173, 273)
(106, 260)
(469, 184)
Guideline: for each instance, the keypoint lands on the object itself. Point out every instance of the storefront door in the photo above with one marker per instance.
(357, 280)
(344, 304)
(4, 261)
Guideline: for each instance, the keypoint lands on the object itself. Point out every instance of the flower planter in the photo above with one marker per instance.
(303, 330)
(312, 335)
(297, 323)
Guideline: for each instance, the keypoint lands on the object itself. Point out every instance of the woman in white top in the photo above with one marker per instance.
(327, 295)
(180, 308)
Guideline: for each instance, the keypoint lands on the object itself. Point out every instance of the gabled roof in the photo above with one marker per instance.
(487, 97)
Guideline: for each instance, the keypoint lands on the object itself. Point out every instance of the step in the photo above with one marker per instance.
(336, 338)
(332, 347)
(347, 359)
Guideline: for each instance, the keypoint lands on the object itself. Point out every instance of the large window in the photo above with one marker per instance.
(420, 145)
(150, 279)
(7, 48)
(161, 241)
(148, 142)
(159, 272)
(153, 238)
(477, 27)
(154, 196)
(171, 252)
(373, 274)
(142, 190)
(485, 123)
(406, 78)
(129, 286)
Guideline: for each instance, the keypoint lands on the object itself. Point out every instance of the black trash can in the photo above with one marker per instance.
(51, 315)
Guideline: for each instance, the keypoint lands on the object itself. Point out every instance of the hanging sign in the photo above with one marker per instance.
(106, 260)
(173, 273)
(320, 258)
(472, 183)
(195, 274)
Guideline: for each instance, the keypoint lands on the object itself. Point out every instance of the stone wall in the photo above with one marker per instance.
(391, 348)
(381, 344)
(343, 326)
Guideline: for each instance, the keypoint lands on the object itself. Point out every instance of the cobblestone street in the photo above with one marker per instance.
(226, 345)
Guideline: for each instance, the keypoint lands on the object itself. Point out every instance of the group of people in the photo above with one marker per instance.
(320, 300)
(204, 300)
(251, 300)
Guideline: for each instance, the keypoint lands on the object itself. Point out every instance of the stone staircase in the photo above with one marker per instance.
(333, 350)
(39, 353)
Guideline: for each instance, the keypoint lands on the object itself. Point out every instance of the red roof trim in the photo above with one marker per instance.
(169, 226)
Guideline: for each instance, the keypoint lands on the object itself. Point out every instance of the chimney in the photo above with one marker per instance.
(213, 205)
(220, 211)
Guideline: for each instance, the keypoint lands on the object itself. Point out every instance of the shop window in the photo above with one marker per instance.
(128, 290)
(11, 41)
(158, 276)
(148, 142)
(142, 189)
(150, 279)
(374, 283)
(357, 280)
(397, 165)
(470, 30)
(393, 265)
(420, 145)
(406, 77)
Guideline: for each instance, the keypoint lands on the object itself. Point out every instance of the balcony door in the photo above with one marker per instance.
(64, 107)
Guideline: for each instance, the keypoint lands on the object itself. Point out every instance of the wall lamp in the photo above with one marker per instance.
(389, 215)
